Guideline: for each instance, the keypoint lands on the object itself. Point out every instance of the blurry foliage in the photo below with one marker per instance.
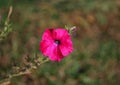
(96, 56)
(108, 50)
(5, 3)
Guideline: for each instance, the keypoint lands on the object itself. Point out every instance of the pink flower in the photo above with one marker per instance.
(56, 44)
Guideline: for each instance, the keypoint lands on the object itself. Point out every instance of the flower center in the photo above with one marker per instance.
(57, 41)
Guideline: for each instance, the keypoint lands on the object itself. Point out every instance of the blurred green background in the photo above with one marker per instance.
(96, 56)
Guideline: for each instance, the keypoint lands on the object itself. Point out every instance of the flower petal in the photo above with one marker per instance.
(66, 46)
(54, 53)
(44, 44)
(59, 33)
(46, 41)
(47, 35)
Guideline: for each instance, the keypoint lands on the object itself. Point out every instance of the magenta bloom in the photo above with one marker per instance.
(56, 44)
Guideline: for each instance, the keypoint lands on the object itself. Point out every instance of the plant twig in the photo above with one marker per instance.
(28, 71)
(10, 12)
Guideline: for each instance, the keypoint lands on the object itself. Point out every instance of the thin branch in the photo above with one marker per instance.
(10, 12)
(28, 71)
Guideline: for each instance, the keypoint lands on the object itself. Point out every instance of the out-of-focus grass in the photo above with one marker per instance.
(96, 56)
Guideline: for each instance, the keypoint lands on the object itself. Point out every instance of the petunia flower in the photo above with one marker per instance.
(56, 44)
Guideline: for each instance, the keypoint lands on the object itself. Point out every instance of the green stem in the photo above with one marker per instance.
(7, 26)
